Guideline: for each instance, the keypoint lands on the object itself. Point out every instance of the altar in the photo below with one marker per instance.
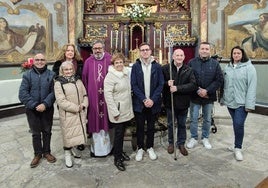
(121, 30)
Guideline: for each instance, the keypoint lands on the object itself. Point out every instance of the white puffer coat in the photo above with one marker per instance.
(69, 95)
(117, 93)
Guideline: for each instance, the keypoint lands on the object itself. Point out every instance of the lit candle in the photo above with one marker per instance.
(111, 40)
(160, 57)
(160, 39)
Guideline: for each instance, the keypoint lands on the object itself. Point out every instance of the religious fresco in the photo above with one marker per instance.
(243, 23)
(26, 28)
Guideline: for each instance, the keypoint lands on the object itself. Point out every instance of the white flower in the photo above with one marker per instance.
(136, 12)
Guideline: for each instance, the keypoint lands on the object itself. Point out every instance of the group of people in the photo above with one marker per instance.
(102, 94)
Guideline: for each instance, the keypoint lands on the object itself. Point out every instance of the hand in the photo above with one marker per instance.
(248, 110)
(40, 108)
(81, 108)
(202, 92)
(173, 89)
(170, 82)
(148, 103)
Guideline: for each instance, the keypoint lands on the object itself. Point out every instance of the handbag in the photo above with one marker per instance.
(101, 145)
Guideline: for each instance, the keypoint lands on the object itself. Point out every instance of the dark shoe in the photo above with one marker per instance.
(119, 165)
(35, 161)
(183, 150)
(125, 157)
(170, 148)
(81, 147)
(50, 158)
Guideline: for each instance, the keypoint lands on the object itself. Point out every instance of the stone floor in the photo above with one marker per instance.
(215, 168)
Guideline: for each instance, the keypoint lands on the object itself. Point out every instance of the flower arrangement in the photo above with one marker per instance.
(27, 65)
(136, 12)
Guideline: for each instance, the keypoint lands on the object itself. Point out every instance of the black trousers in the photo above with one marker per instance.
(119, 132)
(41, 125)
(141, 118)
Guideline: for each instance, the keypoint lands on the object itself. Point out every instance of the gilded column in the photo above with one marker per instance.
(203, 20)
(71, 22)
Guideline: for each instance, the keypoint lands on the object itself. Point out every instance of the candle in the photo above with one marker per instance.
(160, 38)
(160, 57)
(116, 39)
(154, 39)
(121, 41)
(164, 36)
(111, 40)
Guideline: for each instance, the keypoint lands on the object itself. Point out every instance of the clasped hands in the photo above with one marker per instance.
(148, 103)
(202, 92)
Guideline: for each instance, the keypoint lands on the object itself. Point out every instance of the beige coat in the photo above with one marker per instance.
(117, 93)
(72, 122)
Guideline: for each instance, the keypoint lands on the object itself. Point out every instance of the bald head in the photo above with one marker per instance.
(39, 60)
(178, 57)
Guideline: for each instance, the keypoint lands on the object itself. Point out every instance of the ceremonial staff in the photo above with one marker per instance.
(169, 43)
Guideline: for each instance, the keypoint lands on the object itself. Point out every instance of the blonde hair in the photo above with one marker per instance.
(64, 64)
(61, 54)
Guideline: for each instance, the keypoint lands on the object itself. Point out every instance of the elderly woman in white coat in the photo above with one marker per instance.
(117, 93)
(72, 100)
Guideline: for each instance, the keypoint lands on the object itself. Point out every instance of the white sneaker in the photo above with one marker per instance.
(68, 159)
(192, 143)
(152, 154)
(75, 152)
(238, 154)
(139, 155)
(206, 143)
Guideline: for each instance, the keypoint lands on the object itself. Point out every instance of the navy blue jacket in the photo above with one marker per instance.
(208, 75)
(137, 86)
(37, 88)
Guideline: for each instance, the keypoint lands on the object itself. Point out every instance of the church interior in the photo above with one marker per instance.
(124, 24)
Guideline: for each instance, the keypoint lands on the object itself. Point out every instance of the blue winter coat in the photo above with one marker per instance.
(208, 75)
(137, 86)
(37, 88)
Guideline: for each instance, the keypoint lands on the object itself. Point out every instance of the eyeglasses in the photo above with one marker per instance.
(39, 59)
(145, 50)
(99, 48)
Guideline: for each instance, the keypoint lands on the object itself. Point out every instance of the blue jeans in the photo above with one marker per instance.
(181, 127)
(239, 116)
(194, 114)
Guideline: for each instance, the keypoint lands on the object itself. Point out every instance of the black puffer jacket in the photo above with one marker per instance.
(185, 82)
(208, 76)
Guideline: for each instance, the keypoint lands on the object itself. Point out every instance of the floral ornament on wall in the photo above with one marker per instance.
(136, 12)
(27, 65)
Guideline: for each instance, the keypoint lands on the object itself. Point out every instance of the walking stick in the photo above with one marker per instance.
(169, 43)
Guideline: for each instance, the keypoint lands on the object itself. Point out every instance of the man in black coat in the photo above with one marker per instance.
(181, 85)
